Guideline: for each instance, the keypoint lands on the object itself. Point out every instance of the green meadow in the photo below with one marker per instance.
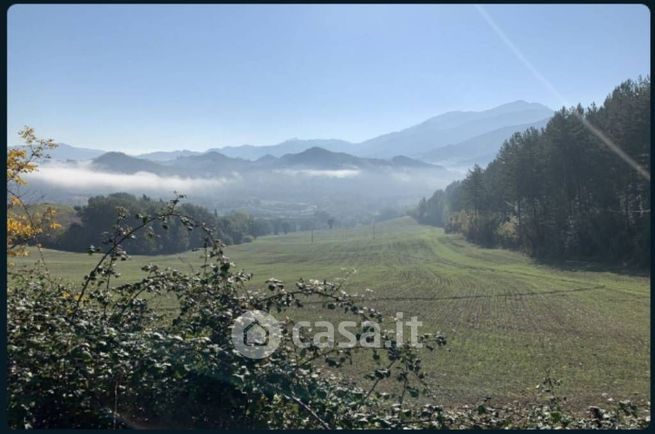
(509, 321)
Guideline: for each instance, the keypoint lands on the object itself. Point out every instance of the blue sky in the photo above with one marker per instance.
(165, 77)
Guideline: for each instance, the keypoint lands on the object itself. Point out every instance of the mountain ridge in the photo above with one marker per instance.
(452, 132)
(215, 163)
(453, 127)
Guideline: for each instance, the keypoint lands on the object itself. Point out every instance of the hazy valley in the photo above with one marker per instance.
(355, 181)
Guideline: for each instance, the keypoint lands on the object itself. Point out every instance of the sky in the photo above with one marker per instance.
(140, 78)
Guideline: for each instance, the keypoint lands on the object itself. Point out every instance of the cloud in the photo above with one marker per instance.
(82, 176)
(344, 173)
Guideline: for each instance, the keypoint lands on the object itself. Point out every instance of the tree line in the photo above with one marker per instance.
(562, 191)
(96, 219)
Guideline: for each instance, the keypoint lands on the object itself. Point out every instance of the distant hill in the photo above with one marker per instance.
(167, 155)
(458, 137)
(402, 161)
(287, 147)
(319, 158)
(447, 129)
(346, 184)
(208, 164)
(479, 149)
(268, 158)
(118, 162)
(214, 163)
(65, 152)
(452, 128)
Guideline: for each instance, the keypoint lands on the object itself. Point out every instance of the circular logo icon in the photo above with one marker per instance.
(256, 334)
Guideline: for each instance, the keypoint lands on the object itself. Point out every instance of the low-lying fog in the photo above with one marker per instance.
(343, 192)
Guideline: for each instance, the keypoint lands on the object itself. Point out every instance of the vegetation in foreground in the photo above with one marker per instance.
(99, 355)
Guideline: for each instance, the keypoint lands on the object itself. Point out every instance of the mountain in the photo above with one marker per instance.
(118, 162)
(458, 137)
(293, 183)
(479, 149)
(214, 163)
(65, 152)
(194, 166)
(208, 164)
(167, 155)
(452, 128)
(290, 146)
(402, 161)
(319, 158)
(323, 159)
(266, 159)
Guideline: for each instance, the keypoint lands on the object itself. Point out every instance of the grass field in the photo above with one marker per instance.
(507, 319)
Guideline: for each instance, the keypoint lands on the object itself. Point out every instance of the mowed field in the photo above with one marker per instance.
(508, 320)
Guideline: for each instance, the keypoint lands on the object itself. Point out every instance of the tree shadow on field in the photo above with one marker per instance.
(625, 269)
